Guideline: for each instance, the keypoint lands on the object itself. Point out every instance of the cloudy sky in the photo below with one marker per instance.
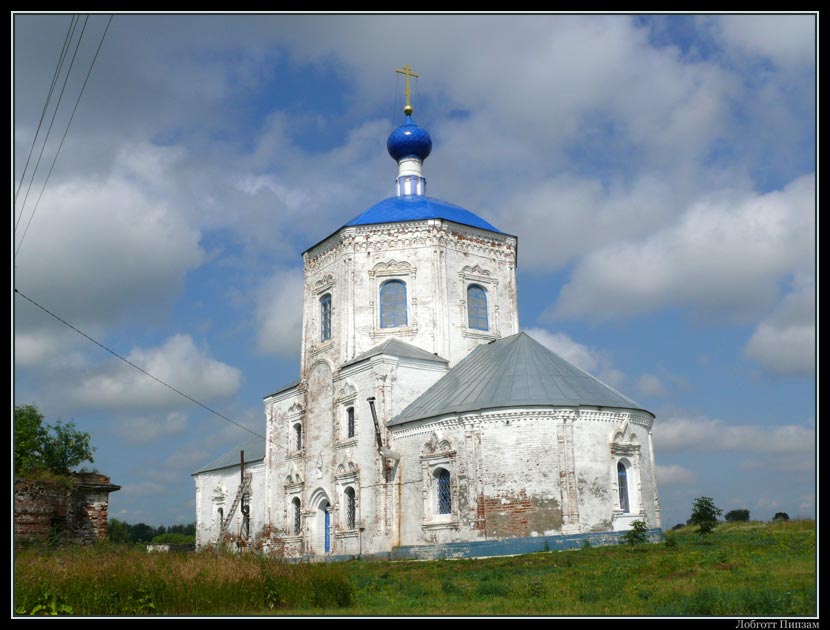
(659, 172)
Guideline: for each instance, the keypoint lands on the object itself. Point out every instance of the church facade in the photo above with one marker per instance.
(423, 422)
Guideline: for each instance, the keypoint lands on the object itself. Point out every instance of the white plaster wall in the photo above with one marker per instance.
(227, 480)
(430, 257)
(508, 474)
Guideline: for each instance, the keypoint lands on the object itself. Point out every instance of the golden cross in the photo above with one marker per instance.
(406, 71)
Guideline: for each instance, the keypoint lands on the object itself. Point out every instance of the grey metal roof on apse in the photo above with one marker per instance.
(512, 372)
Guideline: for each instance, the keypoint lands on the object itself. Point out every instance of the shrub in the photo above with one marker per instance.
(637, 535)
(781, 516)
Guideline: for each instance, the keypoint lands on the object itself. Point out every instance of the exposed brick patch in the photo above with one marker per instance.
(514, 515)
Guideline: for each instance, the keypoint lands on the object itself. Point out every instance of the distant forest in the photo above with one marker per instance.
(122, 532)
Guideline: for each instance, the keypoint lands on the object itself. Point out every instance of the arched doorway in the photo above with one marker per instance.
(325, 511)
(321, 535)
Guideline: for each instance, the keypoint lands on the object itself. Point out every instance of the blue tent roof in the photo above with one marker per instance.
(418, 208)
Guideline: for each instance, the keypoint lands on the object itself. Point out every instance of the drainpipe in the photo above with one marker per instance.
(378, 438)
(385, 453)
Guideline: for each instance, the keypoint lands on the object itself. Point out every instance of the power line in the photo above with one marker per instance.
(69, 31)
(178, 391)
(140, 369)
(52, 120)
(66, 131)
(168, 386)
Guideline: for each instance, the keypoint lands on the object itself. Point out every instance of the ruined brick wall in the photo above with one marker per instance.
(74, 510)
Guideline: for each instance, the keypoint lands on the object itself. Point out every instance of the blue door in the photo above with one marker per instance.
(328, 530)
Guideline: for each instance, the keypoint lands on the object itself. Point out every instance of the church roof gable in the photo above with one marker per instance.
(254, 452)
(512, 372)
(397, 348)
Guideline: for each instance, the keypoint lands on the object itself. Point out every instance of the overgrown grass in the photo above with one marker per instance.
(743, 569)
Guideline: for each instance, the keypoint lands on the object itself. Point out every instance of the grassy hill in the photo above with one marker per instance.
(744, 569)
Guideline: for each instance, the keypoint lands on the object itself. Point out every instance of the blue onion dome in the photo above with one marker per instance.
(409, 140)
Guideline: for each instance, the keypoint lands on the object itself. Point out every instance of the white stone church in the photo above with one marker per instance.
(424, 423)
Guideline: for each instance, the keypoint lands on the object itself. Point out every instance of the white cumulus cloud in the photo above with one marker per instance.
(786, 39)
(279, 313)
(674, 474)
(146, 429)
(785, 342)
(651, 385)
(178, 362)
(722, 255)
(706, 434)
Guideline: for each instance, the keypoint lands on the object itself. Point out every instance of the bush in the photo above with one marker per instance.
(737, 515)
(637, 535)
(705, 515)
(781, 516)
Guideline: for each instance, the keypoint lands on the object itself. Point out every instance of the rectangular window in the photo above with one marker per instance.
(393, 304)
(325, 317)
(350, 422)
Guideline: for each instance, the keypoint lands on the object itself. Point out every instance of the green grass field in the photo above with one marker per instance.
(743, 569)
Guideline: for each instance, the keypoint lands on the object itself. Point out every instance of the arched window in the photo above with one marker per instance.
(325, 317)
(350, 422)
(444, 492)
(477, 307)
(351, 508)
(622, 483)
(393, 304)
(297, 516)
(220, 517)
(245, 508)
(298, 437)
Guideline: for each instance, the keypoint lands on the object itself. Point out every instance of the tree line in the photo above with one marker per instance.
(122, 532)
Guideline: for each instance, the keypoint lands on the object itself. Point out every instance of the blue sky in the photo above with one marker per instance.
(659, 172)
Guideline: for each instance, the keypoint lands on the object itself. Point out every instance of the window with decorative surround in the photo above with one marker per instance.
(394, 306)
(625, 455)
(323, 320)
(479, 310)
(347, 478)
(440, 492)
(345, 426)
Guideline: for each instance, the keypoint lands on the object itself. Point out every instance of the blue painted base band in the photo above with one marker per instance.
(500, 547)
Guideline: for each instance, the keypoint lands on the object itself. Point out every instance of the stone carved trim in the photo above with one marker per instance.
(220, 493)
(474, 271)
(392, 267)
(296, 409)
(347, 393)
(324, 284)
